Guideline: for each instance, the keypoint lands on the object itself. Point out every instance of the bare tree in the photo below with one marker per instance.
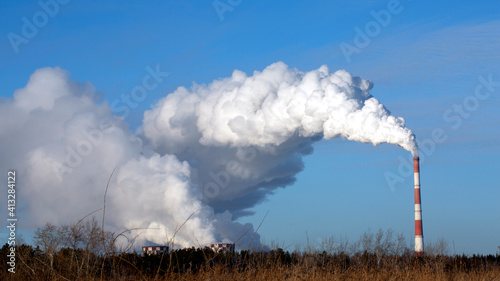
(439, 248)
(84, 238)
(92, 244)
(50, 239)
(333, 247)
(401, 247)
(381, 244)
(366, 242)
(75, 236)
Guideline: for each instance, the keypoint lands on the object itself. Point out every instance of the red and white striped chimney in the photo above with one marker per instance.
(419, 234)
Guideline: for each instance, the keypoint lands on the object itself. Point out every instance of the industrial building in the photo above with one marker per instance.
(154, 250)
(223, 247)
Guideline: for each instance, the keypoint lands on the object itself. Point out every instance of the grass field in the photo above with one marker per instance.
(84, 251)
(204, 264)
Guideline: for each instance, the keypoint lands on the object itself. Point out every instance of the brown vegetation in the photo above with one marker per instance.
(83, 251)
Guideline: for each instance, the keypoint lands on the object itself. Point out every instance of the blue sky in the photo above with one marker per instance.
(424, 60)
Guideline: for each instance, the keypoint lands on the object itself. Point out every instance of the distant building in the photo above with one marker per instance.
(154, 250)
(222, 247)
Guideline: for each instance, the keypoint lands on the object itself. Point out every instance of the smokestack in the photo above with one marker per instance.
(419, 234)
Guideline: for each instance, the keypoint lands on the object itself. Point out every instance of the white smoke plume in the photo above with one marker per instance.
(245, 135)
(203, 157)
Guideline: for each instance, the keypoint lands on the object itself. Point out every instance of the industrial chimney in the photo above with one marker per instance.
(419, 234)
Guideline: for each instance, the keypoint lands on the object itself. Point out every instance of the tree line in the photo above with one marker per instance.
(85, 251)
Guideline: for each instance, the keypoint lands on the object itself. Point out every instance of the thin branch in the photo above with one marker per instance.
(255, 232)
(102, 227)
(104, 207)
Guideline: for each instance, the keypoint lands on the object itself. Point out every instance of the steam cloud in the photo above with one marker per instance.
(209, 153)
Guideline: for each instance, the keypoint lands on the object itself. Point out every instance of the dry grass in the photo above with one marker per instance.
(298, 273)
(203, 264)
